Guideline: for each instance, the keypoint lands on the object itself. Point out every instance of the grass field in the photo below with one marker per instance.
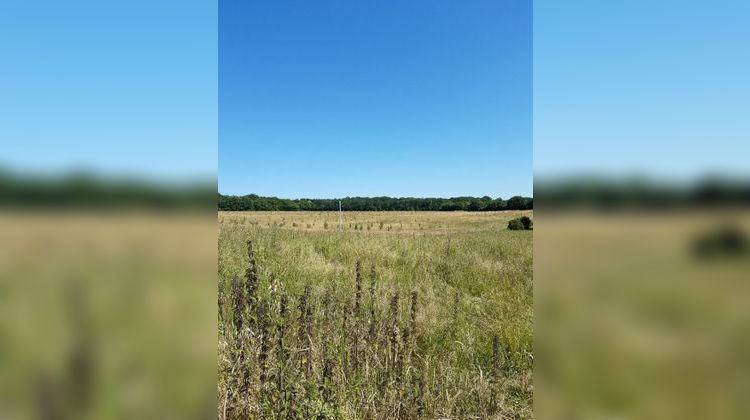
(631, 323)
(399, 315)
(107, 315)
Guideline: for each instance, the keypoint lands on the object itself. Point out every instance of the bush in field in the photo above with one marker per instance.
(528, 224)
(724, 241)
(516, 224)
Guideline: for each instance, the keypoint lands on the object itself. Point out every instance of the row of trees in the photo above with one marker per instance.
(87, 190)
(254, 202)
(599, 192)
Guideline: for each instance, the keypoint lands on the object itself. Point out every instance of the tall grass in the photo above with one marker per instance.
(438, 327)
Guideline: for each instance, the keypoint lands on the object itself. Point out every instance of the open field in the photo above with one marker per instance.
(406, 222)
(401, 315)
(632, 323)
(107, 315)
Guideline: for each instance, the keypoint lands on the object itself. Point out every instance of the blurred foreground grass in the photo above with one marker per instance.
(632, 323)
(107, 315)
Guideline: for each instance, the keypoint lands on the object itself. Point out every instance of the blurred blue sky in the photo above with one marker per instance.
(400, 98)
(654, 88)
(118, 87)
(341, 98)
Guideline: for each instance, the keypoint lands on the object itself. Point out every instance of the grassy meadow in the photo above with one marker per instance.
(398, 315)
(106, 315)
(632, 323)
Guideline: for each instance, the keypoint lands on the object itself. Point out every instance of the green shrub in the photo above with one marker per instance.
(521, 223)
(515, 224)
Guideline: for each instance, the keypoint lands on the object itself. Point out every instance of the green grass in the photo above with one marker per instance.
(472, 279)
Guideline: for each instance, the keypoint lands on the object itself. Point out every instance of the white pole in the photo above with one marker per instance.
(340, 219)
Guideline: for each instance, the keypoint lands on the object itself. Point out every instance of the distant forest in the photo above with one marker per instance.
(598, 192)
(254, 202)
(86, 190)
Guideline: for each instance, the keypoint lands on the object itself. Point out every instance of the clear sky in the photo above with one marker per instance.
(657, 88)
(118, 87)
(340, 98)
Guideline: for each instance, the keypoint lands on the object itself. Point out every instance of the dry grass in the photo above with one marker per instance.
(106, 315)
(430, 318)
(404, 222)
(632, 324)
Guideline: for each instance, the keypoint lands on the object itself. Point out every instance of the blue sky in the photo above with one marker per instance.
(343, 98)
(118, 87)
(657, 88)
(423, 98)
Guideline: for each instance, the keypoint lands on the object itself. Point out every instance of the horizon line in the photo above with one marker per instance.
(374, 196)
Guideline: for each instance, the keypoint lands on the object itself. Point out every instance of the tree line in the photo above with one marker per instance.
(254, 202)
(88, 190)
(598, 192)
